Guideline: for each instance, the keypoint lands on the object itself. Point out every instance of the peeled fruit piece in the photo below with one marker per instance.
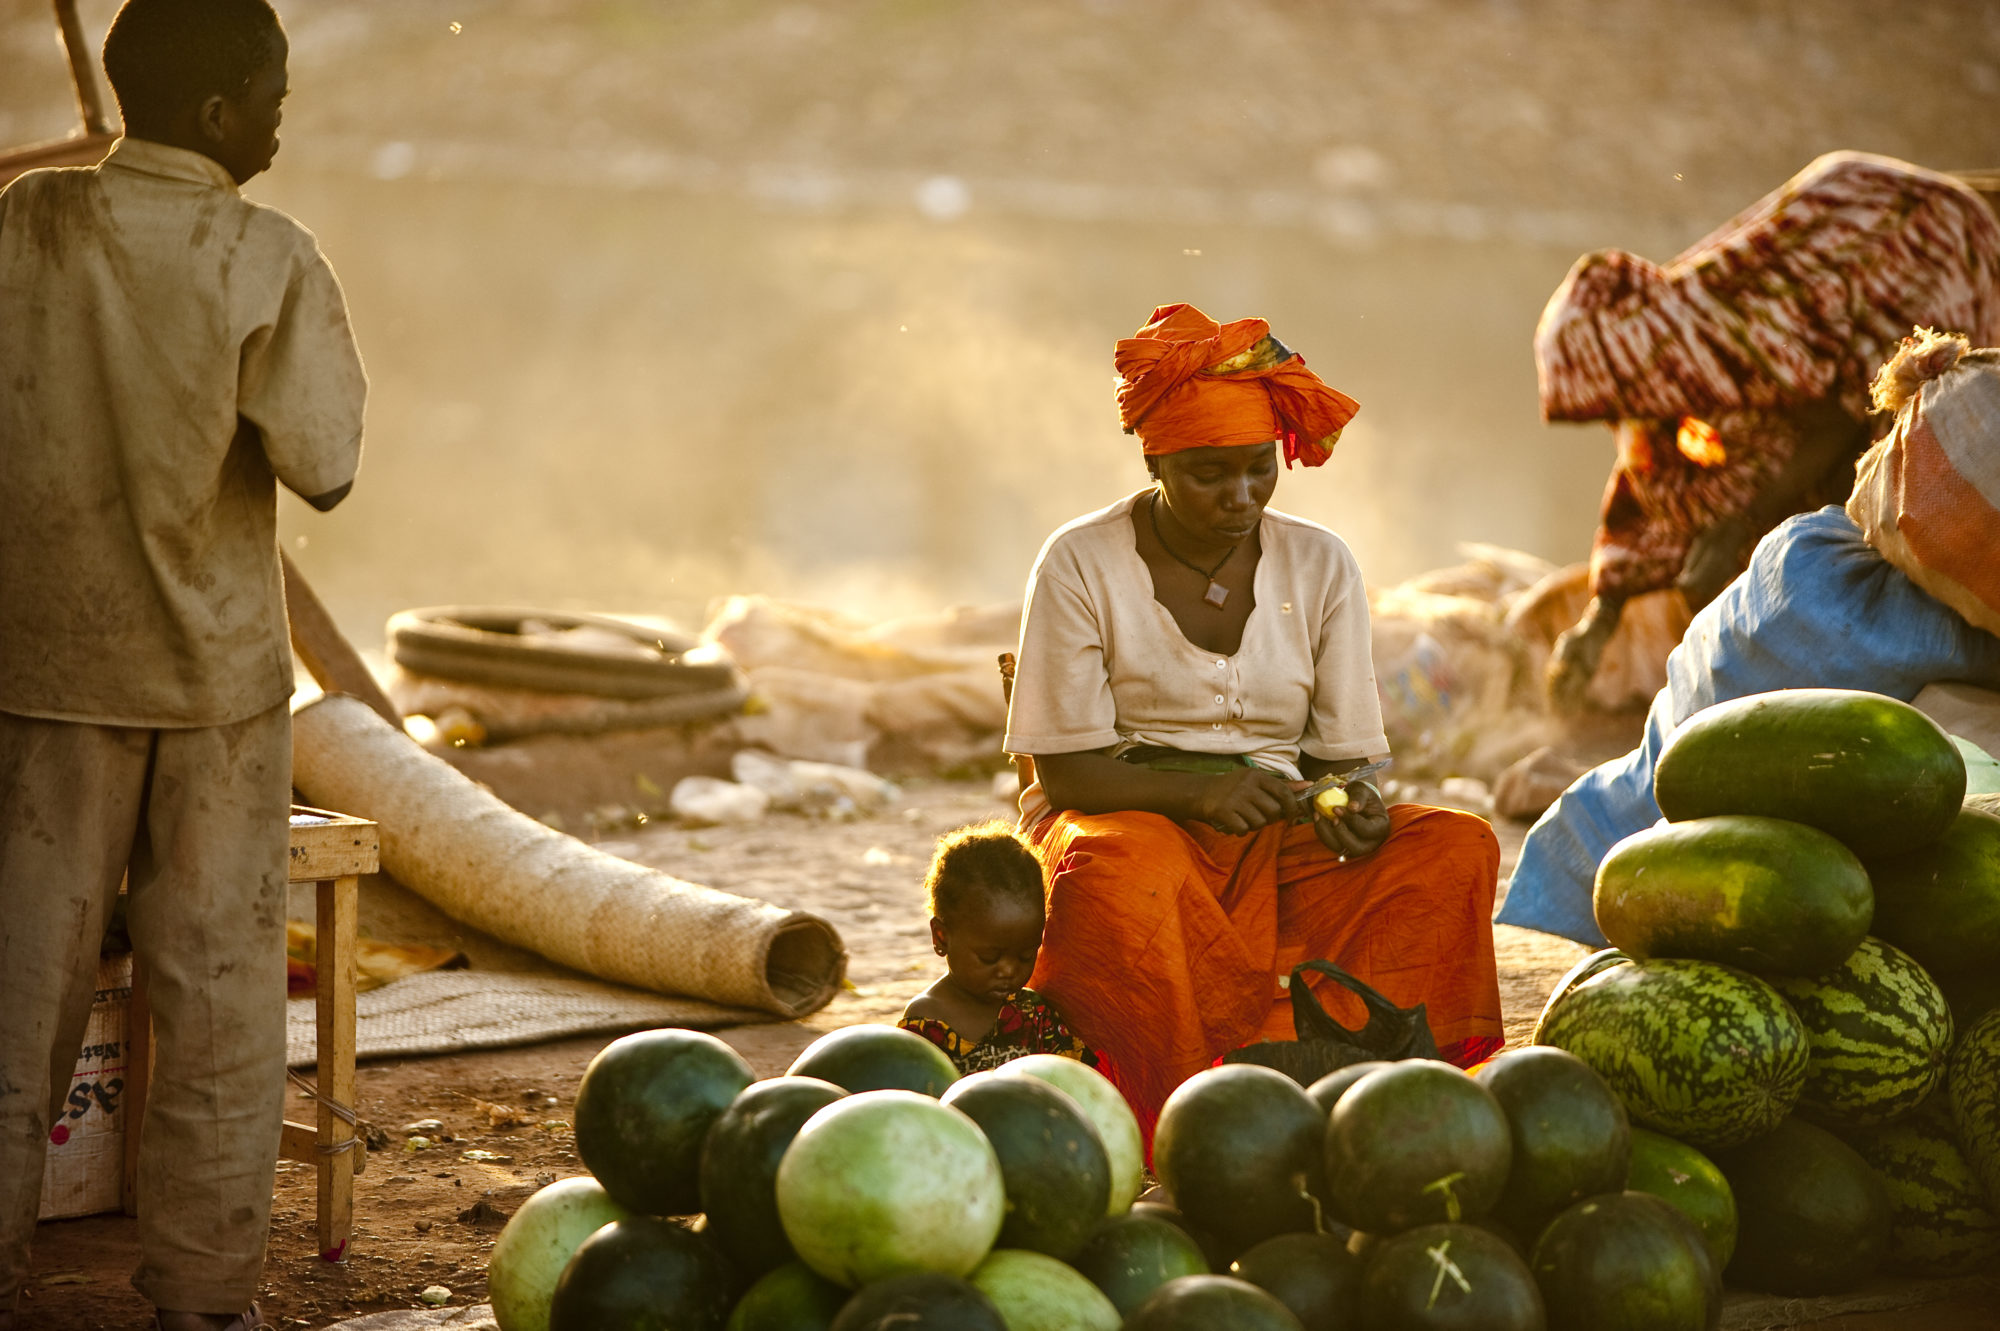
(888, 1182)
(537, 1243)
(1330, 802)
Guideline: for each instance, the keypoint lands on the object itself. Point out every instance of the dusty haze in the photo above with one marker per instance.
(664, 300)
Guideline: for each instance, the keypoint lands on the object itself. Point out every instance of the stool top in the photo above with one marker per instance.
(331, 845)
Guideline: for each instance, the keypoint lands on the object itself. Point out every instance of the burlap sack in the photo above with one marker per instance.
(1927, 496)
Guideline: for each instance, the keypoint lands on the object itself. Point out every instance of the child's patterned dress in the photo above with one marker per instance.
(1027, 1024)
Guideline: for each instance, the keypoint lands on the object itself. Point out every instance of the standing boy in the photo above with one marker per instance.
(168, 351)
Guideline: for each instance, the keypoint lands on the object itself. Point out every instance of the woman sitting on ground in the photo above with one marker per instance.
(1187, 657)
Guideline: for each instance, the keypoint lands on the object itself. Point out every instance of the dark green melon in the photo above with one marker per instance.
(1052, 1162)
(1972, 994)
(1678, 1174)
(1326, 1092)
(921, 1301)
(739, 1167)
(1941, 903)
(1974, 1086)
(1448, 1278)
(1211, 1247)
(1211, 1303)
(644, 1274)
(1770, 896)
(1940, 1223)
(1239, 1148)
(1572, 1138)
(877, 1058)
(1506, 1233)
(1872, 771)
(792, 1298)
(1879, 1032)
(1415, 1143)
(643, 1109)
(1312, 1274)
(1811, 1216)
(1697, 1050)
(1132, 1255)
(1627, 1259)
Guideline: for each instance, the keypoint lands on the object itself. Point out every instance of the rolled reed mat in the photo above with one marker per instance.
(483, 862)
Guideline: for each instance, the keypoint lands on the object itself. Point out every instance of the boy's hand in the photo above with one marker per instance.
(1243, 801)
(1358, 829)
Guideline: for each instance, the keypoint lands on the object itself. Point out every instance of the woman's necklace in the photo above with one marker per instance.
(1217, 594)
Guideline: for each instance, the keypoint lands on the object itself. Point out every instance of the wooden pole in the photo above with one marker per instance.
(89, 101)
(328, 655)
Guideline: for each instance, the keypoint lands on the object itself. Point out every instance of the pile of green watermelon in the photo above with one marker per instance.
(1759, 1082)
(1803, 993)
(870, 1187)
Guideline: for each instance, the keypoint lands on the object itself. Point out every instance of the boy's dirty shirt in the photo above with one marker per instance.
(149, 307)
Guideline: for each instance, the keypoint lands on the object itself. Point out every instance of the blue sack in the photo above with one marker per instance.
(1817, 608)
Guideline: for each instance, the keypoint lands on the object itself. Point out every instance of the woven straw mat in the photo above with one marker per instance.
(442, 1012)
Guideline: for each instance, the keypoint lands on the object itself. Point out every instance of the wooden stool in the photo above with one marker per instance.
(331, 850)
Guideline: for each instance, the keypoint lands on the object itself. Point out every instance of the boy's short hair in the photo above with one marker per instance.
(164, 56)
(984, 862)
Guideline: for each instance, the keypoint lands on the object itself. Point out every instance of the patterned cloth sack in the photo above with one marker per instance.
(1701, 364)
(1324, 1045)
(1927, 496)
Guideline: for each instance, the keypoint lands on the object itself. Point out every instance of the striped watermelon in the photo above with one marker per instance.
(1975, 1101)
(1941, 1224)
(1700, 1051)
(1880, 1031)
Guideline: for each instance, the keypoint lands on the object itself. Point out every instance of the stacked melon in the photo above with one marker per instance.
(1775, 997)
(871, 1187)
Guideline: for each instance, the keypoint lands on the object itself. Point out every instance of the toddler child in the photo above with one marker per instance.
(985, 895)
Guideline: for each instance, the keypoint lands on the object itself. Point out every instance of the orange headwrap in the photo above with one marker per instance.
(1186, 381)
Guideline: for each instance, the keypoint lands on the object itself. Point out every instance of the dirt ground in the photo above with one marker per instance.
(429, 1217)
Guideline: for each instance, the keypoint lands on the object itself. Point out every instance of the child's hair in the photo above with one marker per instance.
(164, 56)
(984, 862)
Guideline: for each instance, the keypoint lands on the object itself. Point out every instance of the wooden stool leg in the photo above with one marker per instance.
(338, 907)
(138, 1082)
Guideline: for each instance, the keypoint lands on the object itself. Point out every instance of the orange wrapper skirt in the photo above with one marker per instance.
(1166, 942)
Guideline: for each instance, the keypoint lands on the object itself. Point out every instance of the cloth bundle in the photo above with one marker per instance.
(1927, 496)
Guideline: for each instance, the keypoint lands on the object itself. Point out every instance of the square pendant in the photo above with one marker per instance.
(1216, 594)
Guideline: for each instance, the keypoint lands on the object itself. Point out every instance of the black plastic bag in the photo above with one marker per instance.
(1324, 1045)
